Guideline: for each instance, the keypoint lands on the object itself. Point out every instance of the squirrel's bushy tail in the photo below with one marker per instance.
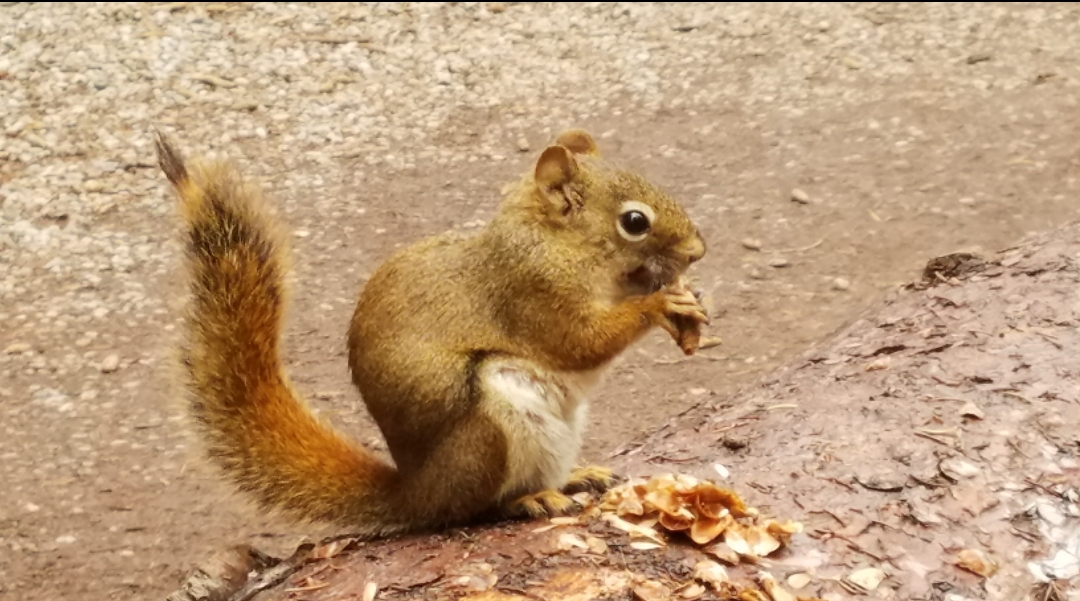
(255, 427)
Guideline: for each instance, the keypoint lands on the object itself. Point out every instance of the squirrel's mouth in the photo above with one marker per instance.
(652, 275)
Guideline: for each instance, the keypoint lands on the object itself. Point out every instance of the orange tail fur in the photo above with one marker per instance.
(256, 428)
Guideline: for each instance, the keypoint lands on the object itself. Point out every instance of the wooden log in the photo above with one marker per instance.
(929, 449)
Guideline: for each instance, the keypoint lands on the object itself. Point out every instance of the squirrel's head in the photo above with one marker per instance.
(628, 221)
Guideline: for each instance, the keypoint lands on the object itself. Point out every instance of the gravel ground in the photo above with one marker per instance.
(909, 129)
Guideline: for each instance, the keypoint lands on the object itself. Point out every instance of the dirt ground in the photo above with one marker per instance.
(913, 130)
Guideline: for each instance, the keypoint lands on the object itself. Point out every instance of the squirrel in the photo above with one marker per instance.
(474, 354)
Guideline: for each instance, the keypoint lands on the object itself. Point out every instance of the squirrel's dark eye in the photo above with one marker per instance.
(634, 223)
(635, 220)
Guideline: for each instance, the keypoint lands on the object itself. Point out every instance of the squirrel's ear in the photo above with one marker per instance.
(578, 141)
(555, 169)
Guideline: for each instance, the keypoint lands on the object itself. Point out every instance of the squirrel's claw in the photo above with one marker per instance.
(684, 303)
(546, 503)
(591, 478)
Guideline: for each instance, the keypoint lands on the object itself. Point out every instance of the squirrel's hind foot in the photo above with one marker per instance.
(546, 503)
(591, 478)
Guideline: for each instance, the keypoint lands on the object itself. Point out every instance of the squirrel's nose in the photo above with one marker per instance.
(693, 249)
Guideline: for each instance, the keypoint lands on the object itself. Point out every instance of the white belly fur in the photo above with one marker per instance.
(543, 414)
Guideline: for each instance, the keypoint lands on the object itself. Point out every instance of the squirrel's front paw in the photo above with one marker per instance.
(683, 316)
(682, 311)
(681, 302)
(591, 478)
(546, 503)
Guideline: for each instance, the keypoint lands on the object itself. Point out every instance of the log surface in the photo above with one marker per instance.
(937, 431)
